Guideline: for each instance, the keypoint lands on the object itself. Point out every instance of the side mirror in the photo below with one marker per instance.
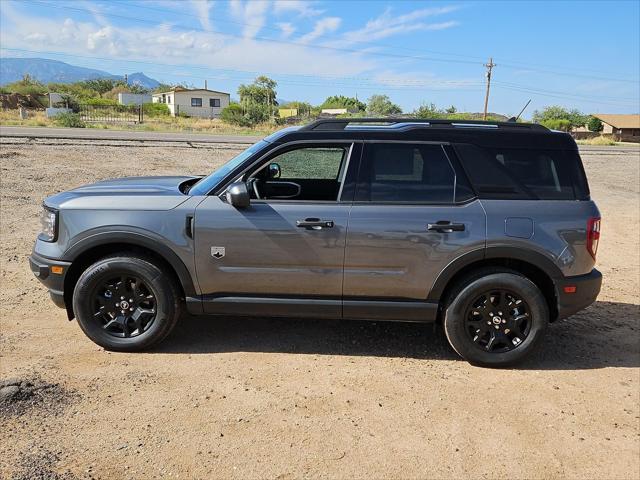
(238, 195)
(274, 170)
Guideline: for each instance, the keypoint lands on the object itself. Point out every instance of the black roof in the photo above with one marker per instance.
(503, 134)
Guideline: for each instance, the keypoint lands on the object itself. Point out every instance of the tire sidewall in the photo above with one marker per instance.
(153, 278)
(454, 324)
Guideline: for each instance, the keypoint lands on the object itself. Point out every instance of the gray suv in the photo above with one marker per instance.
(486, 228)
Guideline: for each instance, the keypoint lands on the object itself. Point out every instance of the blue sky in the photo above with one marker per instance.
(579, 54)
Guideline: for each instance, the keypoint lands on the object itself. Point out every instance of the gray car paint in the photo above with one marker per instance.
(385, 250)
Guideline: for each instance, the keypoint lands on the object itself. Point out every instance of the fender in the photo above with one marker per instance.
(133, 236)
(533, 257)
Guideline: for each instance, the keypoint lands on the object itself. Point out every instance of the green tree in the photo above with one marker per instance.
(352, 104)
(101, 85)
(595, 124)
(382, 105)
(555, 112)
(258, 99)
(428, 110)
(561, 124)
(26, 86)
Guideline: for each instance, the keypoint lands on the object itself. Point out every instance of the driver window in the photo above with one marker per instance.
(309, 173)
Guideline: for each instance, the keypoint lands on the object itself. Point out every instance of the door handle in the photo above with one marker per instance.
(314, 223)
(445, 226)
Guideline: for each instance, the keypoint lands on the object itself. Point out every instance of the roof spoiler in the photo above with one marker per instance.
(335, 124)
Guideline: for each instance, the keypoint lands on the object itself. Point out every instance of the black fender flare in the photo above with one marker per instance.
(137, 237)
(530, 256)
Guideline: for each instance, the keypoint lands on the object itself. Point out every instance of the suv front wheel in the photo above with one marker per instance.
(495, 318)
(126, 303)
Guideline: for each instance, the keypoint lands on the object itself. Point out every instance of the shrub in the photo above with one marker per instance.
(156, 109)
(601, 140)
(234, 115)
(71, 120)
(557, 124)
(100, 101)
(595, 124)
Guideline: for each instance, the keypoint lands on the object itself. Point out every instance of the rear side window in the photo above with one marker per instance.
(405, 173)
(515, 173)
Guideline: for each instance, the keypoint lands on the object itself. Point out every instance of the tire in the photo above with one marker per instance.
(101, 302)
(471, 318)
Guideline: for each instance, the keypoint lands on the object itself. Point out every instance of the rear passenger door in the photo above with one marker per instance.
(413, 214)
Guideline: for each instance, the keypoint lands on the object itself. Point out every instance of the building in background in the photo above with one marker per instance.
(134, 98)
(199, 102)
(623, 127)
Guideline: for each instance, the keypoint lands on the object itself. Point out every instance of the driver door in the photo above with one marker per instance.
(284, 254)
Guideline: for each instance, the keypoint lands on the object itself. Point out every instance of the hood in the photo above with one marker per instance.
(129, 193)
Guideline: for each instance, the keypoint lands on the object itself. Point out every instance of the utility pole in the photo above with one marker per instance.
(489, 66)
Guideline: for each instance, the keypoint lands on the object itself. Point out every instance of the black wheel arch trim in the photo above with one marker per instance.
(532, 257)
(140, 238)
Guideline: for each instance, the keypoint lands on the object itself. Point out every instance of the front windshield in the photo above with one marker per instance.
(208, 183)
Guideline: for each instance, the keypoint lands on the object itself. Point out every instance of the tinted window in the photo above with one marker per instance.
(523, 173)
(311, 163)
(409, 173)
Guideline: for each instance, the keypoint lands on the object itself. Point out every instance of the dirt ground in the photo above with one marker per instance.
(236, 398)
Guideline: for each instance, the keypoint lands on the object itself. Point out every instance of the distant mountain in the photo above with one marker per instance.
(141, 79)
(46, 71)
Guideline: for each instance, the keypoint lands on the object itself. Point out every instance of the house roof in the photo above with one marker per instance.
(619, 121)
(182, 89)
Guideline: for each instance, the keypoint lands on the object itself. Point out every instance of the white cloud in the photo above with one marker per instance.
(251, 13)
(301, 8)
(287, 29)
(389, 24)
(322, 26)
(202, 8)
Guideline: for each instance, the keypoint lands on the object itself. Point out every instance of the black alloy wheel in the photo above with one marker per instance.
(125, 306)
(498, 321)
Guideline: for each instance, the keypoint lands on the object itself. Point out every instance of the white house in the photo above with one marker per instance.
(199, 102)
(134, 98)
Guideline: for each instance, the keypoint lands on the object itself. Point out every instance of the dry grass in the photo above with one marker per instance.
(601, 140)
(37, 118)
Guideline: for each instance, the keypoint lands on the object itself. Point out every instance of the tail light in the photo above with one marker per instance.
(593, 235)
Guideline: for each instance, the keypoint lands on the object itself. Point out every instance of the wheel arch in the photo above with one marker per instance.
(92, 248)
(533, 265)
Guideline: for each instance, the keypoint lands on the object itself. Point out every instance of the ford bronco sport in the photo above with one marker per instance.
(485, 228)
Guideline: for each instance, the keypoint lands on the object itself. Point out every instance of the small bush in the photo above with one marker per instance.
(100, 101)
(601, 140)
(156, 109)
(233, 114)
(71, 120)
(557, 124)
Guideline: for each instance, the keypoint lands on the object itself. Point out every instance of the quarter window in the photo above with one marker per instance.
(405, 173)
(196, 102)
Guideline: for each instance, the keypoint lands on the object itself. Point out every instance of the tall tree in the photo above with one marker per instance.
(339, 101)
(382, 105)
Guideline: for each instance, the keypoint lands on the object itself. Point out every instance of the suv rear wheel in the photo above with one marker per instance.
(126, 303)
(495, 318)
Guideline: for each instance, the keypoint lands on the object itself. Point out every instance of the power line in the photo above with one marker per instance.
(510, 63)
(513, 64)
(241, 75)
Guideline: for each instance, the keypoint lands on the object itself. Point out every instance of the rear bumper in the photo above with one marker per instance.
(41, 268)
(587, 288)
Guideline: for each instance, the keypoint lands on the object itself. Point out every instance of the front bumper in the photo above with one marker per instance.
(587, 288)
(42, 269)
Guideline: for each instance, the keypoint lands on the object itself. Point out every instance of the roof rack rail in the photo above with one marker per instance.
(335, 124)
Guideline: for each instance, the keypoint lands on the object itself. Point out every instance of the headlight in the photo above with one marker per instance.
(49, 221)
